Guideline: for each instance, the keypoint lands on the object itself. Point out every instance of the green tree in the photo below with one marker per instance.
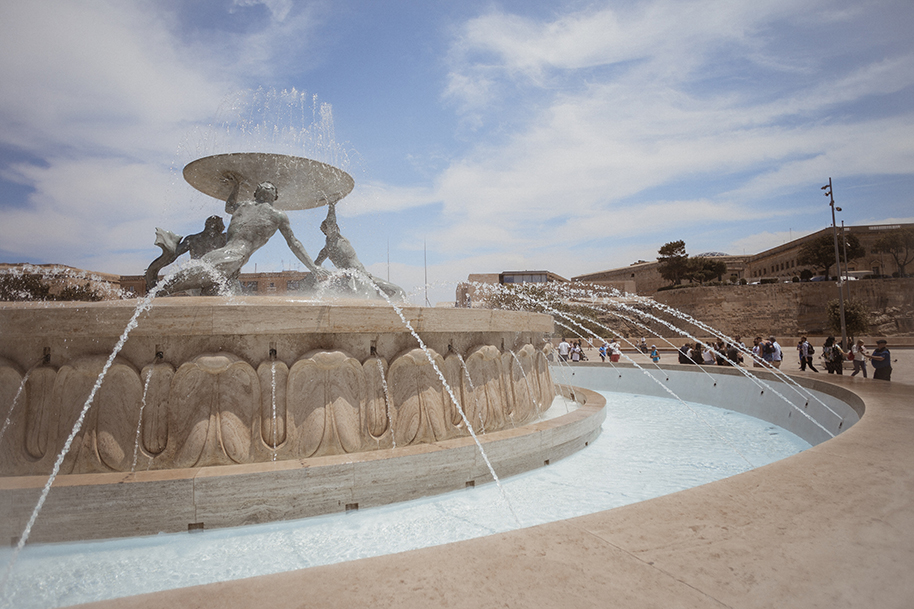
(674, 262)
(705, 269)
(23, 286)
(856, 317)
(820, 252)
(35, 287)
(898, 243)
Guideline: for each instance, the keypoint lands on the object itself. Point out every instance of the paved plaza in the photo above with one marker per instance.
(830, 527)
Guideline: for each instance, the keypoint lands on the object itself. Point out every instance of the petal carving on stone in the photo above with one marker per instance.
(377, 417)
(190, 406)
(324, 396)
(544, 380)
(211, 412)
(524, 384)
(344, 384)
(418, 397)
(274, 379)
(456, 379)
(157, 379)
(72, 388)
(118, 403)
(25, 400)
(518, 386)
(40, 430)
(238, 400)
(488, 400)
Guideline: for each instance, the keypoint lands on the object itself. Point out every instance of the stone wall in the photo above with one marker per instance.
(794, 309)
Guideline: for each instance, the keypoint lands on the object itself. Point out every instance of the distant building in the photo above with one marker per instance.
(781, 262)
(467, 293)
(778, 263)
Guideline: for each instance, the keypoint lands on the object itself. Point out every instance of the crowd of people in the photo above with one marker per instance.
(765, 352)
(835, 355)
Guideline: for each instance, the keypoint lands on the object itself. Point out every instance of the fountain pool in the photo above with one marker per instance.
(649, 446)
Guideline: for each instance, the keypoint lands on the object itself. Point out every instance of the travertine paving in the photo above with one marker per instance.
(830, 527)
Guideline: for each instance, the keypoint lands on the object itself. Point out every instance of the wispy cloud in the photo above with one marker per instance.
(589, 136)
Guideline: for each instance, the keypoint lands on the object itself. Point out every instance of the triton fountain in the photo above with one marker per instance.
(225, 410)
(218, 409)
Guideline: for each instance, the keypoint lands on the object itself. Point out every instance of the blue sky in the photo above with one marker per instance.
(482, 136)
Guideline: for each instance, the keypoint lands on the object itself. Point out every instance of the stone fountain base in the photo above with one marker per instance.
(211, 389)
(93, 506)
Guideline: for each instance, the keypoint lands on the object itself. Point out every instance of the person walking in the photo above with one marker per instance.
(776, 355)
(882, 361)
(655, 355)
(806, 353)
(833, 356)
(860, 355)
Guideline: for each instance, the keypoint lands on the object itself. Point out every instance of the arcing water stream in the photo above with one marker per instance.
(577, 326)
(142, 306)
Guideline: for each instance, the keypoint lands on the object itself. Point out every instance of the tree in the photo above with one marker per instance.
(820, 252)
(674, 262)
(856, 317)
(35, 287)
(23, 286)
(705, 269)
(898, 243)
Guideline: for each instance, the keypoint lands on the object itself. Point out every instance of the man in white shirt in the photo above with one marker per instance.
(564, 350)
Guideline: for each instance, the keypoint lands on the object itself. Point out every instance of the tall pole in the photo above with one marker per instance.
(844, 256)
(834, 229)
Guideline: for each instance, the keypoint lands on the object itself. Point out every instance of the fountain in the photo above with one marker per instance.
(390, 465)
(226, 410)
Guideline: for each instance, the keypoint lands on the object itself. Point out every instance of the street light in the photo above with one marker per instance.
(828, 193)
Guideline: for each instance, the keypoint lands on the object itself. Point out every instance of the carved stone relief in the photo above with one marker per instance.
(217, 409)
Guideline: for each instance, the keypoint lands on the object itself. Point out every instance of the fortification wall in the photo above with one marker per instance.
(794, 309)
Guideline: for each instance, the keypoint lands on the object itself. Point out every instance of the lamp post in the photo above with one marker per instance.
(828, 193)
(844, 256)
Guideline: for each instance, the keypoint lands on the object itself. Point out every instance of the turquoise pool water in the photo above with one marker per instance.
(648, 447)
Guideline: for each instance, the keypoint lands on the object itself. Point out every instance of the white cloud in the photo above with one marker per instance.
(372, 197)
(102, 93)
(594, 152)
(94, 75)
(595, 135)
